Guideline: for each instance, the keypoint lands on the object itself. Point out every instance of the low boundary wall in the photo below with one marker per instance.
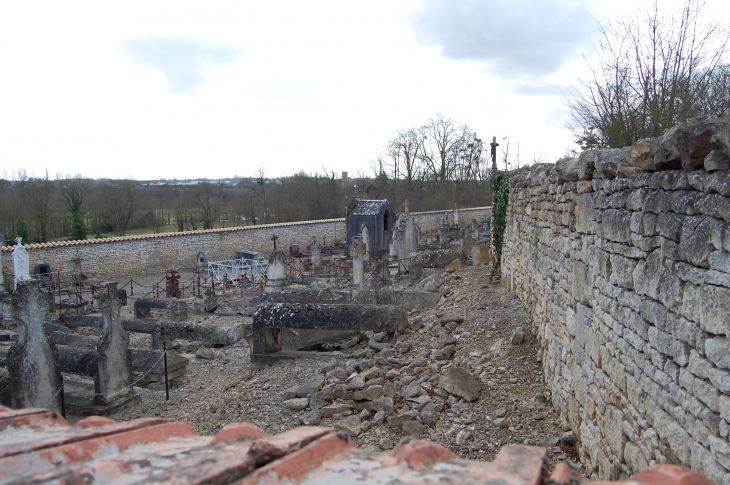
(133, 255)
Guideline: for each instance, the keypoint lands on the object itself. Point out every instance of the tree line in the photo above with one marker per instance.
(74, 208)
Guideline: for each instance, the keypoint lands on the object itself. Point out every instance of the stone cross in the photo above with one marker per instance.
(274, 238)
(20, 263)
(35, 376)
(114, 363)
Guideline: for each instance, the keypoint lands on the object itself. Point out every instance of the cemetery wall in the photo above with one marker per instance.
(133, 255)
(625, 268)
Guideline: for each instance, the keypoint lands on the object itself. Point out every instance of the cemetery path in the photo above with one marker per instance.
(478, 317)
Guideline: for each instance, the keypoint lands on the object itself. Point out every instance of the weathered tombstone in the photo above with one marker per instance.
(456, 216)
(316, 250)
(358, 267)
(446, 220)
(275, 273)
(201, 263)
(2, 278)
(466, 242)
(365, 235)
(20, 263)
(35, 377)
(113, 383)
(412, 233)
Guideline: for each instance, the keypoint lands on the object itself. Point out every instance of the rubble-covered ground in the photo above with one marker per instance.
(465, 374)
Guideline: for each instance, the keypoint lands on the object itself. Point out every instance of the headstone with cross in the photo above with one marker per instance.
(274, 238)
(2, 279)
(20, 263)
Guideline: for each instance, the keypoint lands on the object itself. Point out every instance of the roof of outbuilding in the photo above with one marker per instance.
(366, 207)
(38, 446)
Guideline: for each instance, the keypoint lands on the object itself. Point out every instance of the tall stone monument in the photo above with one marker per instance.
(35, 376)
(21, 269)
(275, 273)
(112, 385)
(2, 278)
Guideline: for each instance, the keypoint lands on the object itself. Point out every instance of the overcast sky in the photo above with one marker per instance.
(176, 89)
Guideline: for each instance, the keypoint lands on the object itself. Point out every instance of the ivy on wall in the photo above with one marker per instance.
(500, 199)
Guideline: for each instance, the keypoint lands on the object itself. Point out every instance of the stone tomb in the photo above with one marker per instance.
(269, 319)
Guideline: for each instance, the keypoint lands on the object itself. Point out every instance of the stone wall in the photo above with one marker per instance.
(133, 255)
(623, 258)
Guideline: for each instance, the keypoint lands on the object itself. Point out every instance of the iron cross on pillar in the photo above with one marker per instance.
(494, 146)
(274, 238)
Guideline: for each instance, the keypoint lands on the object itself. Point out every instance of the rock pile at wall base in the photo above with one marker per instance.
(623, 258)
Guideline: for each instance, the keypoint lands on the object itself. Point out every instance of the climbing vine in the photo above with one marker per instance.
(500, 199)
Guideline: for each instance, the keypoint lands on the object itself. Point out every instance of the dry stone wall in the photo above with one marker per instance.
(133, 255)
(624, 263)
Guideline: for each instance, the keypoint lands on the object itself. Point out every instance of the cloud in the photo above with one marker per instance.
(519, 38)
(181, 59)
(539, 90)
(284, 90)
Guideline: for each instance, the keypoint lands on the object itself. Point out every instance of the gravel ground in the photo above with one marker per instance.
(475, 327)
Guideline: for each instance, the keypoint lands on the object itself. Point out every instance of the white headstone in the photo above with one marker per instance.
(2, 279)
(20, 263)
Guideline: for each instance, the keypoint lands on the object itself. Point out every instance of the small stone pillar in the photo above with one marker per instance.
(20, 263)
(466, 242)
(114, 363)
(358, 268)
(275, 273)
(456, 216)
(316, 249)
(35, 376)
(2, 278)
(446, 221)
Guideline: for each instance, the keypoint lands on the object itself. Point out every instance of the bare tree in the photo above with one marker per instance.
(38, 196)
(206, 198)
(121, 199)
(406, 150)
(651, 73)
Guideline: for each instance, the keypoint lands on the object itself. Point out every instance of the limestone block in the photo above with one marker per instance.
(720, 378)
(641, 153)
(671, 432)
(707, 305)
(609, 161)
(622, 271)
(725, 407)
(616, 225)
(658, 202)
(698, 365)
(695, 244)
(568, 169)
(703, 461)
(687, 144)
(669, 225)
(706, 392)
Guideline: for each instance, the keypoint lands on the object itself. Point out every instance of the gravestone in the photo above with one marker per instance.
(2, 278)
(456, 216)
(275, 273)
(365, 236)
(358, 267)
(113, 384)
(201, 263)
(33, 361)
(20, 263)
(316, 250)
